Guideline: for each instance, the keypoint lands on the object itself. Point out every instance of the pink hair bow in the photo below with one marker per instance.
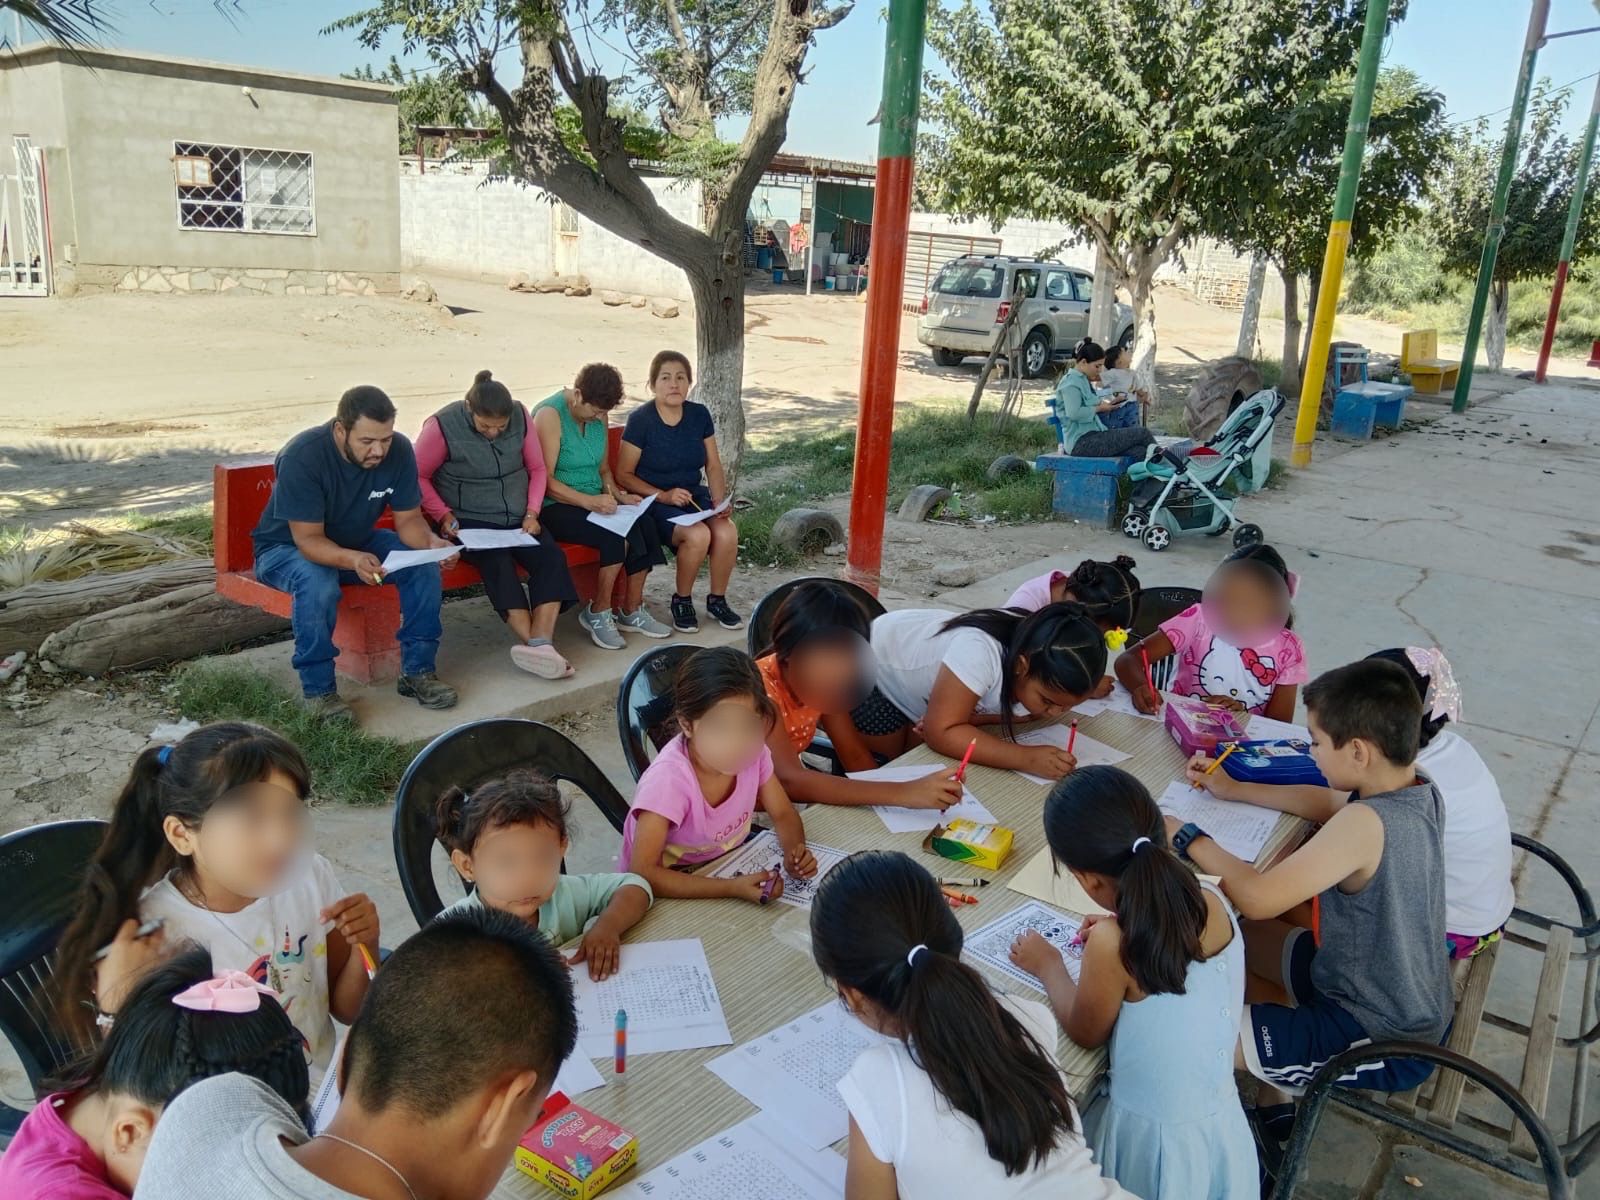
(229, 992)
(1293, 580)
(1444, 693)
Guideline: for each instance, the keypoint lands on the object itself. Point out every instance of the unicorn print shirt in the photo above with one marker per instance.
(278, 940)
(1209, 666)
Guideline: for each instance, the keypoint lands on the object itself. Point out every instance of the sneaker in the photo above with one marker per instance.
(330, 708)
(427, 690)
(717, 609)
(544, 661)
(683, 618)
(601, 627)
(642, 622)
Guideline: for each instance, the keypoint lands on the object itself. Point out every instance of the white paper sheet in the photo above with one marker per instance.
(792, 1073)
(1240, 829)
(991, 945)
(763, 852)
(1088, 752)
(399, 560)
(704, 514)
(919, 820)
(668, 991)
(1120, 701)
(1265, 729)
(495, 539)
(622, 520)
(753, 1160)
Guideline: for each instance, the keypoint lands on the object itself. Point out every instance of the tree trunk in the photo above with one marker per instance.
(1102, 302)
(719, 354)
(1245, 347)
(1144, 331)
(32, 613)
(1311, 311)
(1289, 368)
(174, 626)
(1495, 331)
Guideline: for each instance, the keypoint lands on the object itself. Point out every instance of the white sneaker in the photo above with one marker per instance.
(602, 627)
(642, 622)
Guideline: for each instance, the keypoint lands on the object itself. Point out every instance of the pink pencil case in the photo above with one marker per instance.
(1195, 725)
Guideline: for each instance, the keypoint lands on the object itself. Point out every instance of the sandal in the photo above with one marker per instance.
(543, 661)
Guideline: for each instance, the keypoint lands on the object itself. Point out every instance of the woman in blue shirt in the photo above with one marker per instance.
(1079, 410)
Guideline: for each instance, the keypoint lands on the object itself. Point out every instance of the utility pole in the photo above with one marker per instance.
(1344, 207)
(1538, 18)
(1574, 214)
(880, 346)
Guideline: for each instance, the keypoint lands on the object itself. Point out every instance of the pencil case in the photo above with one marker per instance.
(1279, 761)
(1196, 726)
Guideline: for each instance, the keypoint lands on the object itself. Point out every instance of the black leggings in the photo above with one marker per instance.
(546, 567)
(1111, 443)
(640, 551)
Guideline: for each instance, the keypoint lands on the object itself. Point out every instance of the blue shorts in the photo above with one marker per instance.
(1285, 1045)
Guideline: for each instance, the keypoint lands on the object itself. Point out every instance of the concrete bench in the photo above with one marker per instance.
(369, 617)
(1419, 358)
(1085, 489)
(1362, 404)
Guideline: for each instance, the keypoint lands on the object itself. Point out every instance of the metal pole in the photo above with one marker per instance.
(1344, 207)
(880, 346)
(1579, 184)
(1537, 18)
(811, 245)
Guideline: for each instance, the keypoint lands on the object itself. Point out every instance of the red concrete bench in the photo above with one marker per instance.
(369, 617)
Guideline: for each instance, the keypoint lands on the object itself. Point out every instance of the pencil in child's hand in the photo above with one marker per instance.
(1217, 762)
(367, 961)
(961, 771)
(1072, 737)
(1149, 682)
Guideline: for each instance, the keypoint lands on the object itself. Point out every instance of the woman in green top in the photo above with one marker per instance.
(1078, 408)
(572, 433)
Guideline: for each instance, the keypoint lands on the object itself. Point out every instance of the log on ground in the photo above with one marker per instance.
(32, 613)
(178, 625)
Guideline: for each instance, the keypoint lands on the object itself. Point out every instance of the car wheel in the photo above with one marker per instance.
(1035, 354)
(947, 358)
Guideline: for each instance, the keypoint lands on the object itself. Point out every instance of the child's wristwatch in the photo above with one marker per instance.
(1181, 840)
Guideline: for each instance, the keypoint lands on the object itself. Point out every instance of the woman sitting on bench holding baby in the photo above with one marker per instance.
(1084, 432)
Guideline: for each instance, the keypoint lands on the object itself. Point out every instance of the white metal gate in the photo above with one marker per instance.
(24, 235)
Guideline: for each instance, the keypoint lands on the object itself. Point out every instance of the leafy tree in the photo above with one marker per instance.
(1125, 117)
(1536, 211)
(428, 98)
(603, 181)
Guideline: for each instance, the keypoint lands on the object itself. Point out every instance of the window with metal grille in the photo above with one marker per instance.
(566, 219)
(240, 190)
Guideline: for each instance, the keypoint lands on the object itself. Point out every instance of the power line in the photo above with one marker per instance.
(1566, 87)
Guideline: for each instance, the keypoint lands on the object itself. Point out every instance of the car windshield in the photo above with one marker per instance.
(970, 279)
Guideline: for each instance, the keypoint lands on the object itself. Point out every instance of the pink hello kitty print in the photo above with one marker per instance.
(1209, 666)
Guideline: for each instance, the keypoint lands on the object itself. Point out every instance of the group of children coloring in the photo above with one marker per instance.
(1346, 940)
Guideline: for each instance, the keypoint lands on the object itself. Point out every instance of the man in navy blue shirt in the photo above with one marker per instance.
(319, 532)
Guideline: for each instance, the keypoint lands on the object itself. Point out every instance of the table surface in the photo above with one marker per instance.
(761, 961)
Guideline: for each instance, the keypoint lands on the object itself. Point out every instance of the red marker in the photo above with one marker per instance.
(961, 771)
(1148, 681)
(1072, 737)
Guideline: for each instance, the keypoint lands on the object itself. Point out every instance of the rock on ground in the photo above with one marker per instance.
(661, 306)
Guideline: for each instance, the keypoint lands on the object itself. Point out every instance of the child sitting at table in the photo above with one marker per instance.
(1236, 648)
(695, 801)
(966, 1097)
(178, 1025)
(1162, 979)
(1108, 591)
(507, 838)
(955, 675)
(814, 671)
(1370, 969)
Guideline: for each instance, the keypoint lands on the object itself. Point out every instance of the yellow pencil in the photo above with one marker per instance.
(1212, 769)
(366, 960)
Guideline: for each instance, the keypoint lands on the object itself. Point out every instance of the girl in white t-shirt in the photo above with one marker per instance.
(209, 837)
(964, 1096)
(951, 678)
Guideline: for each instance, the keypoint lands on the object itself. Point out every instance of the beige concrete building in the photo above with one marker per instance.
(136, 172)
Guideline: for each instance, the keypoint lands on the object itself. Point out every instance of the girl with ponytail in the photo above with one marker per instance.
(209, 837)
(1162, 979)
(965, 1098)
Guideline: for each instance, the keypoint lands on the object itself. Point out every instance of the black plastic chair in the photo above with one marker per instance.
(644, 704)
(41, 876)
(759, 630)
(465, 757)
(1160, 604)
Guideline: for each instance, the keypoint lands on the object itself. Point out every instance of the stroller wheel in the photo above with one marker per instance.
(1133, 525)
(1247, 535)
(1157, 537)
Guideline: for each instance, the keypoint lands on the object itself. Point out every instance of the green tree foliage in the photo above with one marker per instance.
(429, 98)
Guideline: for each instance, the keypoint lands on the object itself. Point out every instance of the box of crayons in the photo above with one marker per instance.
(1196, 725)
(573, 1151)
(970, 842)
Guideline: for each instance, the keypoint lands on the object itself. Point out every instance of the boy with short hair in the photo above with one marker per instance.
(1373, 968)
(444, 1070)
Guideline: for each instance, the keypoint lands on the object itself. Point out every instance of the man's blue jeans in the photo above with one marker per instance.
(315, 589)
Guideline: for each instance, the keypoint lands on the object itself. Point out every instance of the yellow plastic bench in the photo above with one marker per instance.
(1419, 358)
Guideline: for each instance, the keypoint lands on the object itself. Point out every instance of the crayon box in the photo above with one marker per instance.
(574, 1152)
(1195, 725)
(969, 842)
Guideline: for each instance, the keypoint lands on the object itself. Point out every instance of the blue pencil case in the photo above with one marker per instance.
(1280, 761)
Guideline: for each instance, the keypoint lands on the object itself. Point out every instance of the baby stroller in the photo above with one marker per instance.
(1173, 495)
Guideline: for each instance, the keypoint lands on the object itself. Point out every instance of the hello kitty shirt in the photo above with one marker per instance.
(1209, 666)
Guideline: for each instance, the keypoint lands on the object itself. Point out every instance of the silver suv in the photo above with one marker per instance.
(971, 296)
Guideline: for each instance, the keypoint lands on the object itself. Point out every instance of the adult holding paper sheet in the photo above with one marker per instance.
(481, 467)
(667, 444)
(572, 433)
(319, 532)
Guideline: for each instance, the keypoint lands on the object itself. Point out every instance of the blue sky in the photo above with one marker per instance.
(1467, 49)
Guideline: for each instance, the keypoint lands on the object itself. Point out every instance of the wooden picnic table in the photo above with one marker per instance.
(760, 956)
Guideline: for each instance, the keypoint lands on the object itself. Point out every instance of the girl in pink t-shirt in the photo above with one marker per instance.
(1109, 591)
(695, 801)
(177, 1026)
(1235, 648)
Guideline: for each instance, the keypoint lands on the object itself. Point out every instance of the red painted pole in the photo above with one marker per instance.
(880, 346)
(1570, 237)
(1546, 342)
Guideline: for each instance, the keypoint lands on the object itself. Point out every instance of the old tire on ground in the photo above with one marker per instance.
(802, 529)
(1006, 466)
(1222, 389)
(922, 500)
(1035, 353)
(945, 357)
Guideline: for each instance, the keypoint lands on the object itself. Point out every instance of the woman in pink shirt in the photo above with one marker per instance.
(481, 468)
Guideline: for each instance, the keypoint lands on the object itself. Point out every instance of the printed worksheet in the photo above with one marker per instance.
(919, 820)
(1240, 829)
(494, 539)
(753, 1160)
(1120, 701)
(668, 992)
(704, 514)
(1088, 752)
(622, 520)
(792, 1073)
(1265, 729)
(399, 560)
(991, 945)
(763, 853)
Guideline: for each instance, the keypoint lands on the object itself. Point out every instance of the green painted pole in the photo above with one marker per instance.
(1580, 184)
(1537, 20)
